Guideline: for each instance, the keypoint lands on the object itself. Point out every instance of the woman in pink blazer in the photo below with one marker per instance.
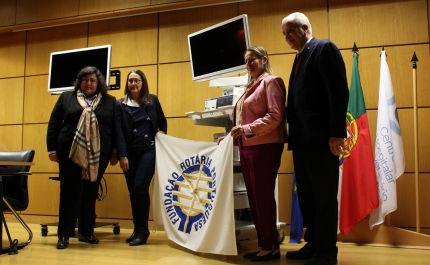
(260, 133)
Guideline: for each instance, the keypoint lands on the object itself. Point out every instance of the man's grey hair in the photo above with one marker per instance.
(298, 19)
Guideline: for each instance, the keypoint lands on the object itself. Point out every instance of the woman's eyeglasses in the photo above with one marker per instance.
(91, 80)
(134, 81)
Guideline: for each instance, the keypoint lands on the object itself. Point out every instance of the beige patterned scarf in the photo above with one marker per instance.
(85, 149)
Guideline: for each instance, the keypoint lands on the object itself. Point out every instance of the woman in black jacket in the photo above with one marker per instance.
(81, 139)
(138, 118)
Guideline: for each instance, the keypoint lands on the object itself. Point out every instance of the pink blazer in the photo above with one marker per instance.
(263, 112)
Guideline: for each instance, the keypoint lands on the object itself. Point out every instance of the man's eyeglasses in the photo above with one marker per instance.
(134, 81)
(91, 80)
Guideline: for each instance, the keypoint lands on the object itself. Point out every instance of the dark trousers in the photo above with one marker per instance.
(77, 198)
(139, 177)
(260, 164)
(317, 176)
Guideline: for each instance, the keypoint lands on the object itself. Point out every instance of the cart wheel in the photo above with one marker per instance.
(116, 229)
(44, 230)
(281, 236)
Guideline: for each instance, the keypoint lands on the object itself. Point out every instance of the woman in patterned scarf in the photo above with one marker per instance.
(80, 138)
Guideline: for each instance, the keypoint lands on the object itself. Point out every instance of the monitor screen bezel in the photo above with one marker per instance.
(71, 87)
(223, 72)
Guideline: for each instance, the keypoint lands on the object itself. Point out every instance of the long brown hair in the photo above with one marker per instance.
(260, 52)
(144, 96)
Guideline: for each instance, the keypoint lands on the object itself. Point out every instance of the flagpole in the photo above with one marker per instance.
(388, 217)
(414, 84)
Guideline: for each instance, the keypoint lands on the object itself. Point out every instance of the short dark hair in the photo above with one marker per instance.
(101, 81)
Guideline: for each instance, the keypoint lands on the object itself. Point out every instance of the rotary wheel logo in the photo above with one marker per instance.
(192, 196)
(352, 135)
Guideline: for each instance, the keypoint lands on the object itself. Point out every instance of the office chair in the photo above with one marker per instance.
(15, 189)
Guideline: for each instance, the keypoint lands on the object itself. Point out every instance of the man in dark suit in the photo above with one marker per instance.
(316, 112)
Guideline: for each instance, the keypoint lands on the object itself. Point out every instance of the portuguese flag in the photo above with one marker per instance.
(359, 194)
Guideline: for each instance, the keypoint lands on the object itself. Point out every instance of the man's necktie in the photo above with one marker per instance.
(298, 60)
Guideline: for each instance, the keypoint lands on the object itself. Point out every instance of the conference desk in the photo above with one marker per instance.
(12, 249)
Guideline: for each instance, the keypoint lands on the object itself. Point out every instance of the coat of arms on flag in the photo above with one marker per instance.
(193, 193)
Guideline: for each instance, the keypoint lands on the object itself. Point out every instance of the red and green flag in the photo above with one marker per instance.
(359, 188)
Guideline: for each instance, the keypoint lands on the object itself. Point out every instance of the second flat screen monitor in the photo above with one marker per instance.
(218, 50)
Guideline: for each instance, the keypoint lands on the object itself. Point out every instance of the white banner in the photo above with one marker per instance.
(193, 193)
(389, 155)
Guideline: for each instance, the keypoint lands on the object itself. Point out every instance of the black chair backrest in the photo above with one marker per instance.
(15, 187)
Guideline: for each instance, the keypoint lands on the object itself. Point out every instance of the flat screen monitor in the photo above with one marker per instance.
(218, 50)
(65, 66)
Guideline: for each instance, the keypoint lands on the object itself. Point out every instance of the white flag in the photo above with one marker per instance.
(389, 156)
(193, 193)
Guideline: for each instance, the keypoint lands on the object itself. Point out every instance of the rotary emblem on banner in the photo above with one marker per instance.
(192, 195)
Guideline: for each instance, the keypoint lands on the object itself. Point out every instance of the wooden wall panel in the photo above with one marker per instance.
(423, 140)
(117, 201)
(357, 21)
(423, 79)
(7, 12)
(265, 20)
(176, 26)
(286, 161)
(34, 137)
(115, 205)
(12, 93)
(368, 67)
(133, 39)
(159, 2)
(372, 116)
(97, 6)
(424, 199)
(399, 63)
(285, 187)
(36, 92)
(44, 193)
(282, 65)
(41, 43)
(11, 137)
(176, 87)
(12, 54)
(150, 72)
(31, 11)
(186, 129)
(404, 216)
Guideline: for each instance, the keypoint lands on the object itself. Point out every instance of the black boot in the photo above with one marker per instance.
(128, 240)
(142, 234)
